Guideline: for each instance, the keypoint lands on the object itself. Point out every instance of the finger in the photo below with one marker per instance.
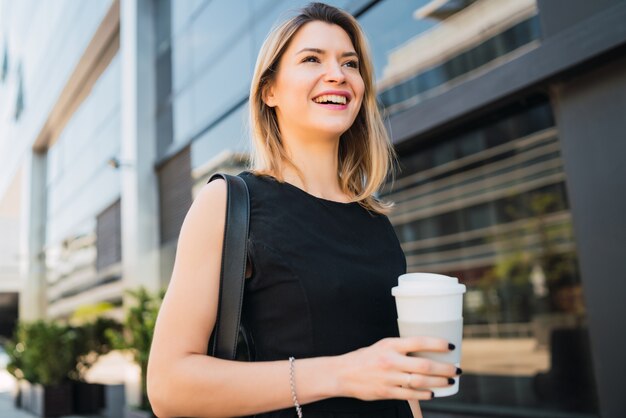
(411, 344)
(425, 366)
(409, 394)
(420, 381)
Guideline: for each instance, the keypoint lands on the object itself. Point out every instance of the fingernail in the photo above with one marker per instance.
(459, 371)
(451, 346)
(432, 395)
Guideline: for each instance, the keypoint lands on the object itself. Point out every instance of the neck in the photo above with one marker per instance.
(318, 161)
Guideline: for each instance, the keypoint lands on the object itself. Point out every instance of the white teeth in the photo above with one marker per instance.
(331, 98)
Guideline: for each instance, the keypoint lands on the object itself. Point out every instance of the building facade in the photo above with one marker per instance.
(507, 116)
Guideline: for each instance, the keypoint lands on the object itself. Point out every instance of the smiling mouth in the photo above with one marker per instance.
(331, 99)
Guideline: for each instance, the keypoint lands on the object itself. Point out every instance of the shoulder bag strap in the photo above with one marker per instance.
(223, 343)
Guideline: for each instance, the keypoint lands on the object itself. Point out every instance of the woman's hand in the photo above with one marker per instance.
(385, 371)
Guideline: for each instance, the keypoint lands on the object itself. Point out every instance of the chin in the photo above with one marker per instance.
(331, 128)
(332, 132)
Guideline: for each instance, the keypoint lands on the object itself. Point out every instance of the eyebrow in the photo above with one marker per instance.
(321, 52)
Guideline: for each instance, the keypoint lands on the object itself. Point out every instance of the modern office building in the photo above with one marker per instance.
(507, 115)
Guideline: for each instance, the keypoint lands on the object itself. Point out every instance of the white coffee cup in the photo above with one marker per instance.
(431, 305)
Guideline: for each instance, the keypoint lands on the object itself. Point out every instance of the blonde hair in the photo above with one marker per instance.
(366, 155)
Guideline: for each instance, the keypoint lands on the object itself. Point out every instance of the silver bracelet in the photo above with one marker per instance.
(292, 381)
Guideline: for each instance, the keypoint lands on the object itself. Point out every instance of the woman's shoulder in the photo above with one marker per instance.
(258, 184)
(210, 199)
(250, 176)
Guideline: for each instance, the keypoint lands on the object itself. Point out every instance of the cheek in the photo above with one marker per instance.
(359, 90)
(356, 83)
(360, 86)
(296, 90)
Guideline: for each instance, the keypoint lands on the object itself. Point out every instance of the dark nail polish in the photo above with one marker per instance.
(450, 381)
(432, 395)
(459, 371)
(451, 346)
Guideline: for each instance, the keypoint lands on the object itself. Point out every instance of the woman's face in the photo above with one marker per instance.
(318, 89)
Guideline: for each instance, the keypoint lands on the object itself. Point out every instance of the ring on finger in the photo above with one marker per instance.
(409, 376)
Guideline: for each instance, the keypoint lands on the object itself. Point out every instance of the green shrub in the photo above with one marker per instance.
(138, 331)
(91, 342)
(46, 354)
(15, 349)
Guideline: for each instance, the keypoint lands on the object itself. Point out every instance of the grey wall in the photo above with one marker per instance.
(591, 118)
(557, 15)
(572, 41)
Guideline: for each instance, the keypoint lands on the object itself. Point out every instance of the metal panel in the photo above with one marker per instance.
(174, 194)
(555, 57)
(590, 117)
(108, 236)
(558, 15)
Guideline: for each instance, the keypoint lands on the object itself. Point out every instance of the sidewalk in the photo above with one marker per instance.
(7, 410)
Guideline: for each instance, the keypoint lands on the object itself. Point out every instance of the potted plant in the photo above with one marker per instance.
(21, 370)
(46, 358)
(14, 349)
(137, 337)
(91, 342)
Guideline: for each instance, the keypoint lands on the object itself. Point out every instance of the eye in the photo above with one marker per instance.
(353, 64)
(309, 58)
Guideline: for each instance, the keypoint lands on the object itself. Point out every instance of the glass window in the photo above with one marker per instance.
(490, 206)
(213, 48)
(421, 48)
(182, 12)
(182, 60)
(212, 41)
(228, 135)
(221, 86)
(77, 169)
(164, 116)
(183, 113)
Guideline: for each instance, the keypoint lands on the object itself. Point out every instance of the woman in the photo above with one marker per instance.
(322, 253)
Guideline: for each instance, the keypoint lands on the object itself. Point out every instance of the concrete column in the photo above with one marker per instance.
(590, 117)
(32, 300)
(139, 188)
(139, 200)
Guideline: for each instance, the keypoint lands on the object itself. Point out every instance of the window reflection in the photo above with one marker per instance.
(78, 174)
(489, 206)
(213, 48)
(77, 160)
(421, 48)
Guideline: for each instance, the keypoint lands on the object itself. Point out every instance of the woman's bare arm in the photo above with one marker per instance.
(184, 381)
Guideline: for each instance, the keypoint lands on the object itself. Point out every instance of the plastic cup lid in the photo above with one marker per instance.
(412, 284)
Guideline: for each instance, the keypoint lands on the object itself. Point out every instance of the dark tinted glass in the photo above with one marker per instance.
(489, 205)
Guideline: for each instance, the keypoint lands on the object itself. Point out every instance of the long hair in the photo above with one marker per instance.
(366, 155)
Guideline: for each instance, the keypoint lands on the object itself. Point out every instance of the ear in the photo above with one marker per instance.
(268, 95)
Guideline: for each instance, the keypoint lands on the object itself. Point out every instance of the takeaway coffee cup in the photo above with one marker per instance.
(432, 305)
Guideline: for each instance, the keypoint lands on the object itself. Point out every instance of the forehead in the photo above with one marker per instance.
(321, 35)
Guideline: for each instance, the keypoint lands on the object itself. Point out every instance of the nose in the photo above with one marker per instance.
(334, 72)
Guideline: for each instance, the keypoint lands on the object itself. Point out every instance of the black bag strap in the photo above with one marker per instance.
(223, 342)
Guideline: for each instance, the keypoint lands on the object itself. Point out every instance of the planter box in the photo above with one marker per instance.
(138, 413)
(26, 394)
(52, 401)
(88, 397)
(114, 401)
(16, 395)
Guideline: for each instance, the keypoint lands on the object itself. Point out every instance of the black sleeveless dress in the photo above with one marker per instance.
(321, 285)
